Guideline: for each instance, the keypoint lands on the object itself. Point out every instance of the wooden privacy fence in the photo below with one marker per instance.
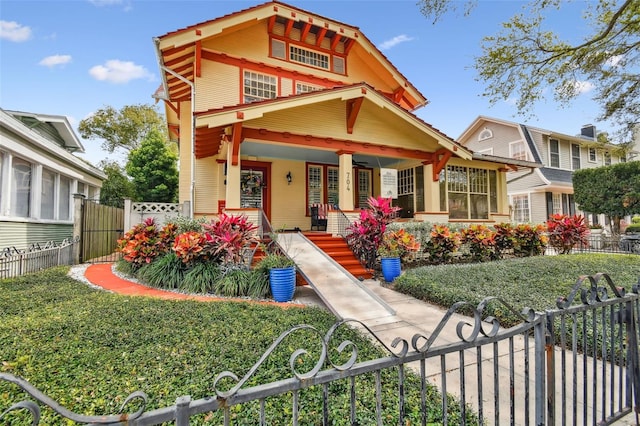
(99, 228)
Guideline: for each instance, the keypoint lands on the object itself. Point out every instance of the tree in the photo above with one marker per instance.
(524, 60)
(123, 129)
(610, 190)
(116, 187)
(153, 168)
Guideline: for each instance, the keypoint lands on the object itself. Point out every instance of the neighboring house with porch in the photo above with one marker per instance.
(548, 189)
(292, 109)
(38, 176)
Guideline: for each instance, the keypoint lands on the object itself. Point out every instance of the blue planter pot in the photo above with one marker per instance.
(390, 268)
(283, 283)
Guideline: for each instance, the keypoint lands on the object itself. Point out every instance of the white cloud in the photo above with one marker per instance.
(583, 86)
(13, 31)
(388, 44)
(614, 61)
(119, 72)
(53, 60)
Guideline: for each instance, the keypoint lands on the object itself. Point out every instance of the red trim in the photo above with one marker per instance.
(198, 60)
(236, 139)
(334, 41)
(320, 36)
(439, 162)
(305, 32)
(353, 108)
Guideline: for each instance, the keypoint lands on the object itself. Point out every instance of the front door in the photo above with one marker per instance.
(254, 186)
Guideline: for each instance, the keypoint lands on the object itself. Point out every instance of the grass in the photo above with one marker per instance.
(89, 349)
(534, 282)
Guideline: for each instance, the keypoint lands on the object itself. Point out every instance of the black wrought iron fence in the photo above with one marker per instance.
(577, 364)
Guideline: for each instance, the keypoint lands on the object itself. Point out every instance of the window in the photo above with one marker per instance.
(308, 57)
(332, 185)
(1, 165)
(20, 188)
(405, 181)
(485, 134)
(607, 159)
(467, 192)
(364, 187)
(575, 156)
(554, 153)
(314, 185)
(557, 204)
(258, 87)
(520, 205)
(518, 151)
(47, 197)
(623, 158)
(592, 155)
(65, 199)
(306, 88)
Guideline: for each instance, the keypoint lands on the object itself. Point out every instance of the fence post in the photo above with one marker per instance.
(540, 369)
(186, 209)
(77, 226)
(633, 367)
(127, 214)
(182, 410)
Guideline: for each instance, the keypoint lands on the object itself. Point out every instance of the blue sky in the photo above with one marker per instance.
(74, 57)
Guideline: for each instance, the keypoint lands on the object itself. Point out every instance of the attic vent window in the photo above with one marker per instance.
(258, 87)
(306, 88)
(308, 57)
(338, 64)
(278, 49)
(485, 134)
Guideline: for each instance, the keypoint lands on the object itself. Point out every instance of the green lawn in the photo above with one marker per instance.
(534, 282)
(89, 349)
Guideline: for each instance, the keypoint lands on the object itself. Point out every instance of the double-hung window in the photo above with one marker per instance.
(520, 205)
(554, 153)
(518, 151)
(20, 188)
(575, 156)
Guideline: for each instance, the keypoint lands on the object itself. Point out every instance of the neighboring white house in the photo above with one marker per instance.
(38, 176)
(537, 193)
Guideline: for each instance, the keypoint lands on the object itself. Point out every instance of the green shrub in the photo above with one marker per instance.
(635, 227)
(167, 271)
(201, 278)
(234, 280)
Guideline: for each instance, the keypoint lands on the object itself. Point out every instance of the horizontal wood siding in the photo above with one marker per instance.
(503, 135)
(538, 207)
(527, 181)
(207, 189)
(288, 202)
(22, 234)
(220, 88)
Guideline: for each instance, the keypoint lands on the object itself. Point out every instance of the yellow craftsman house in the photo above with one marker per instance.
(276, 109)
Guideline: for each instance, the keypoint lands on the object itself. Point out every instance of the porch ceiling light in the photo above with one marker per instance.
(289, 178)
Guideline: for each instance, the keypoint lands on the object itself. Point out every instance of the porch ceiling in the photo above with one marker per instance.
(254, 149)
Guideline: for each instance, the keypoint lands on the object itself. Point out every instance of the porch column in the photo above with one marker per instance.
(232, 194)
(347, 180)
(431, 190)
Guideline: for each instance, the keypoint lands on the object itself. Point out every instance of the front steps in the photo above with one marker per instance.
(337, 249)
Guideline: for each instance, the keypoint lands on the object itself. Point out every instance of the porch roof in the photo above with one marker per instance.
(214, 126)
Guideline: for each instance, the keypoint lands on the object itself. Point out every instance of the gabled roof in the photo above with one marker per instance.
(52, 148)
(557, 176)
(177, 50)
(52, 127)
(211, 123)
